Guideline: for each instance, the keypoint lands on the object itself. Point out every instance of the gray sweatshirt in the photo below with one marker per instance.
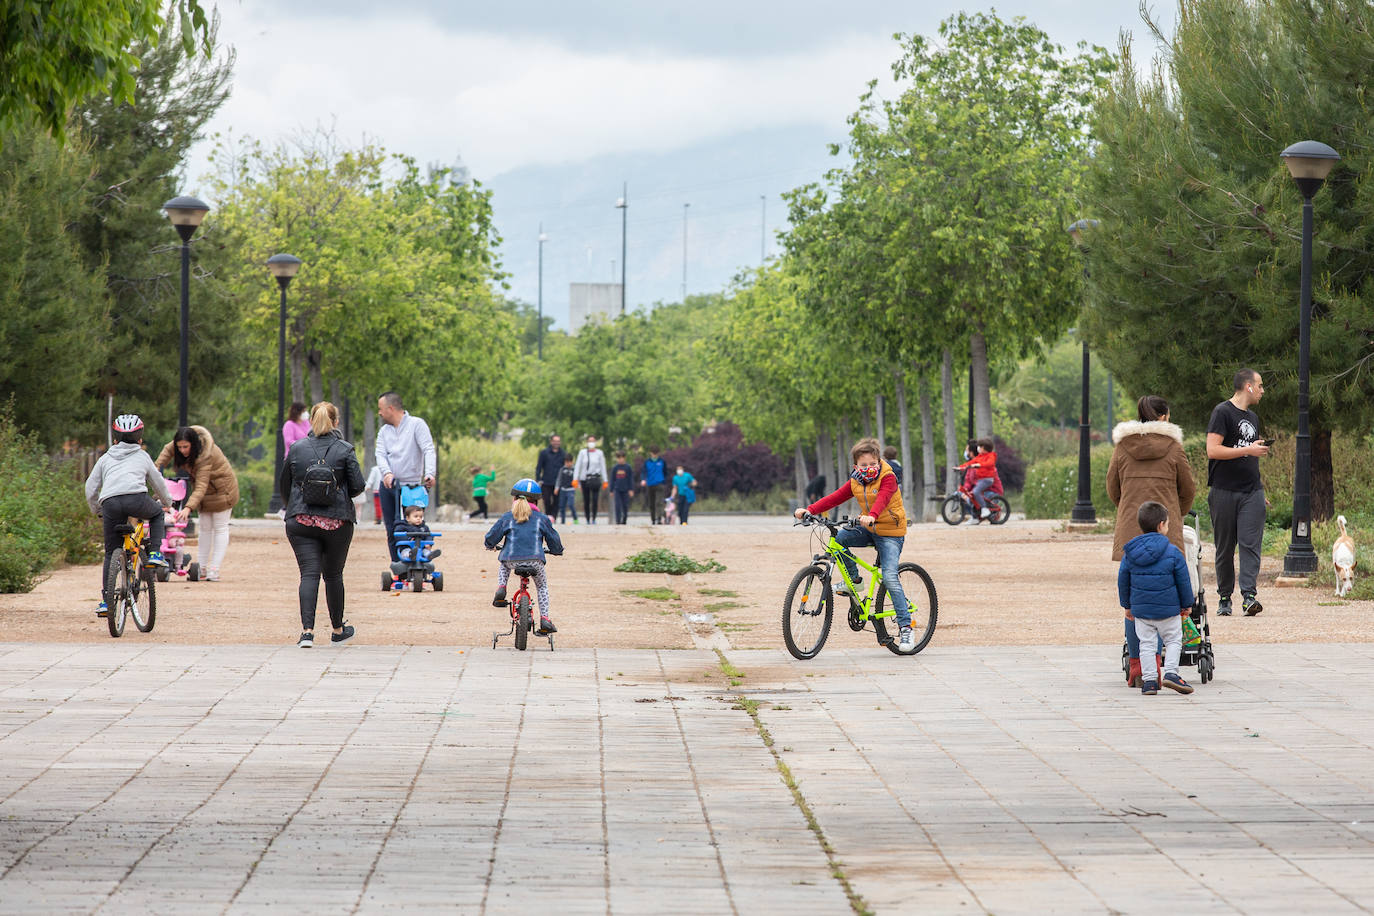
(126, 468)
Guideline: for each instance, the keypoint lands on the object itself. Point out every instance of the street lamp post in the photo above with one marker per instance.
(185, 214)
(1083, 511)
(283, 267)
(623, 205)
(542, 239)
(1309, 162)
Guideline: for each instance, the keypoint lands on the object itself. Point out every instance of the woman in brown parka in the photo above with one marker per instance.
(214, 491)
(1147, 464)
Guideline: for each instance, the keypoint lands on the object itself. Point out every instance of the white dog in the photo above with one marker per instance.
(1343, 558)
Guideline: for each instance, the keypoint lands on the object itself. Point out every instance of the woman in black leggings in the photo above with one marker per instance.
(319, 517)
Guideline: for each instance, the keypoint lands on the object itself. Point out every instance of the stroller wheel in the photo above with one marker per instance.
(1204, 668)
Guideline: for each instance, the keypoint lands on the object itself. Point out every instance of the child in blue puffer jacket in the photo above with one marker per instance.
(1154, 586)
(526, 532)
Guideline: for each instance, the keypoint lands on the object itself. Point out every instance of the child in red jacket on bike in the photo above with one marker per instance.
(874, 486)
(983, 467)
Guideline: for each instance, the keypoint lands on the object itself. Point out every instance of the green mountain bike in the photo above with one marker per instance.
(809, 607)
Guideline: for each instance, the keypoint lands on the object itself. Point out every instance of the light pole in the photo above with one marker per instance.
(542, 239)
(1309, 162)
(185, 214)
(684, 251)
(623, 205)
(283, 267)
(1083, 512)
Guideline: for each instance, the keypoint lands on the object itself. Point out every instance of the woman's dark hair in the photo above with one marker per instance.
(296, 412)
(186, 434)
(1151, 407)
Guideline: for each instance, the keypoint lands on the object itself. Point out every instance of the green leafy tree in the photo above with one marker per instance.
(57, 53)
(1195, 267)
(396, 290)
(51, 305)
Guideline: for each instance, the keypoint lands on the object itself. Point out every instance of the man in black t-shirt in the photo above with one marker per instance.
(1236, 495)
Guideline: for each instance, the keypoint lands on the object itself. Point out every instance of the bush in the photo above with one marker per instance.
(44, 519)
(1052, 486)
(722, 463)
(777, 501)
(662, 560)
(512, 460)
(1010, 466)
(255, 489)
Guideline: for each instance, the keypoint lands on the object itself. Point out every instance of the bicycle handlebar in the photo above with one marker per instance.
(809, 519)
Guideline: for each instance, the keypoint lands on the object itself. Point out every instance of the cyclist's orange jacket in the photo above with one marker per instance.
(881, 499)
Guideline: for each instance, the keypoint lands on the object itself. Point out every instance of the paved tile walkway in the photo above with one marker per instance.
(173, 779)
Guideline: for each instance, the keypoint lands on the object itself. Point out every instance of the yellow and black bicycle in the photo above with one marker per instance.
(129, 583)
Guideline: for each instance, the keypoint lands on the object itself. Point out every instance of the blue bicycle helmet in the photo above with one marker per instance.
(526, 487)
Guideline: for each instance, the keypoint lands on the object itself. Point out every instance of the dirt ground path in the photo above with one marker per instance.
(1025, 583)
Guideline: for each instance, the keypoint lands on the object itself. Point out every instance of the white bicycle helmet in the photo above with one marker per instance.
(127, 427)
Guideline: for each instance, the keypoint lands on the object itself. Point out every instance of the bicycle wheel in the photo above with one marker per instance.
(922, 602)
(143, 607)
(807, 611)
(952, 510)
(116, 596)
(1001, 510)
(522, 622)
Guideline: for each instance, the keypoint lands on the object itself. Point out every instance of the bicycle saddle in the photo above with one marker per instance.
(526, 571)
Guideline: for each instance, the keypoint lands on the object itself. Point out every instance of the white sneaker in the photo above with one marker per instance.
(985, 513)
(907, 642)
(842, 588)
(211, 575)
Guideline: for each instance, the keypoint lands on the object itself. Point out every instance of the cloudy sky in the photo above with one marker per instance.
(551, 102)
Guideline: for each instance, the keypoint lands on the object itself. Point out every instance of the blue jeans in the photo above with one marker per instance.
(981, 490)
(889, 555)
(567, 502)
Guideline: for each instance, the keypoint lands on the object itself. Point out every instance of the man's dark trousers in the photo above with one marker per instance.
(1237, 519)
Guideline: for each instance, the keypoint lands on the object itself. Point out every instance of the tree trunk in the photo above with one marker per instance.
(825, 461)
(313, 361)
(880, 419)
(928, 482)
(866, 422)
(366, 452)
(947, 403)
(1323, 477)
(904, 434)
(297, 377)
(841, 450)
(982, 396)
(799, 472)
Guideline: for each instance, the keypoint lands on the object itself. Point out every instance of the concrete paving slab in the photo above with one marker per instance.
(1019, 780)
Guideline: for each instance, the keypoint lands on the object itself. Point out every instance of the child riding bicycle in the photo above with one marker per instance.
(526, 532)
(118, 490)
(982, 469)
(874, 486)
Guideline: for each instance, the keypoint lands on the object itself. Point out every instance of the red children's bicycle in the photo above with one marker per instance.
(523, 620)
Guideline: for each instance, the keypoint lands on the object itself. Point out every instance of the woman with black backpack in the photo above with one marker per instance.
(319, 479)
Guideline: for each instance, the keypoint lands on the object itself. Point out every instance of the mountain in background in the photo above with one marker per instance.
(733, 185)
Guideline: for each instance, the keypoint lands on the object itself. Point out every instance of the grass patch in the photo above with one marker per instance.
(717, 593)
(662, 560)
(735, 675)
(661, 593)
(723, 606)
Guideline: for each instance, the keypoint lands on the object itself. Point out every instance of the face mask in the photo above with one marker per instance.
(866, 475)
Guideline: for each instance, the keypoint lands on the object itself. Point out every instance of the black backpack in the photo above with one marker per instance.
(319, 486)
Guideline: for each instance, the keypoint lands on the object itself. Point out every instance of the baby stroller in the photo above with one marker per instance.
(1199, 654)
(173, 545)
(416, 549)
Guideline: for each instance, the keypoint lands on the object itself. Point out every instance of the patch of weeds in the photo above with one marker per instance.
(717, 593)
(723, 606)
(661, 593)
(663, 560)
(735, 675)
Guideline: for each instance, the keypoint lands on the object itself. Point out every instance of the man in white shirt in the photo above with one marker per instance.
(590, 473)
(405, 455)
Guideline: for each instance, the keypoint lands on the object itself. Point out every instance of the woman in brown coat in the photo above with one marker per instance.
(1147, 464)
(214, 491)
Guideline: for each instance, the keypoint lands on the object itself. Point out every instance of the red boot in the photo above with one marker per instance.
(1133, 675)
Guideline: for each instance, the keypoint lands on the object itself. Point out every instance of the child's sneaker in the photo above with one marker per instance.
(500, 599)
(102, 610)
(546, 627)
(157, 559)
(1149, 688)
(1250, 605)
(842, 587)
(907, 642)
(1174, 682)
(307, 641)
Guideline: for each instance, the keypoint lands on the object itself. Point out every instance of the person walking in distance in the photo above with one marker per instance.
(319, 480)
(590, 473)
(622, 488)
(1236, 498)
(405, 453)
(546, 471)
(653, 479)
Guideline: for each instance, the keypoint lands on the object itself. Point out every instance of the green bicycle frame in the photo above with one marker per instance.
(836, 550)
